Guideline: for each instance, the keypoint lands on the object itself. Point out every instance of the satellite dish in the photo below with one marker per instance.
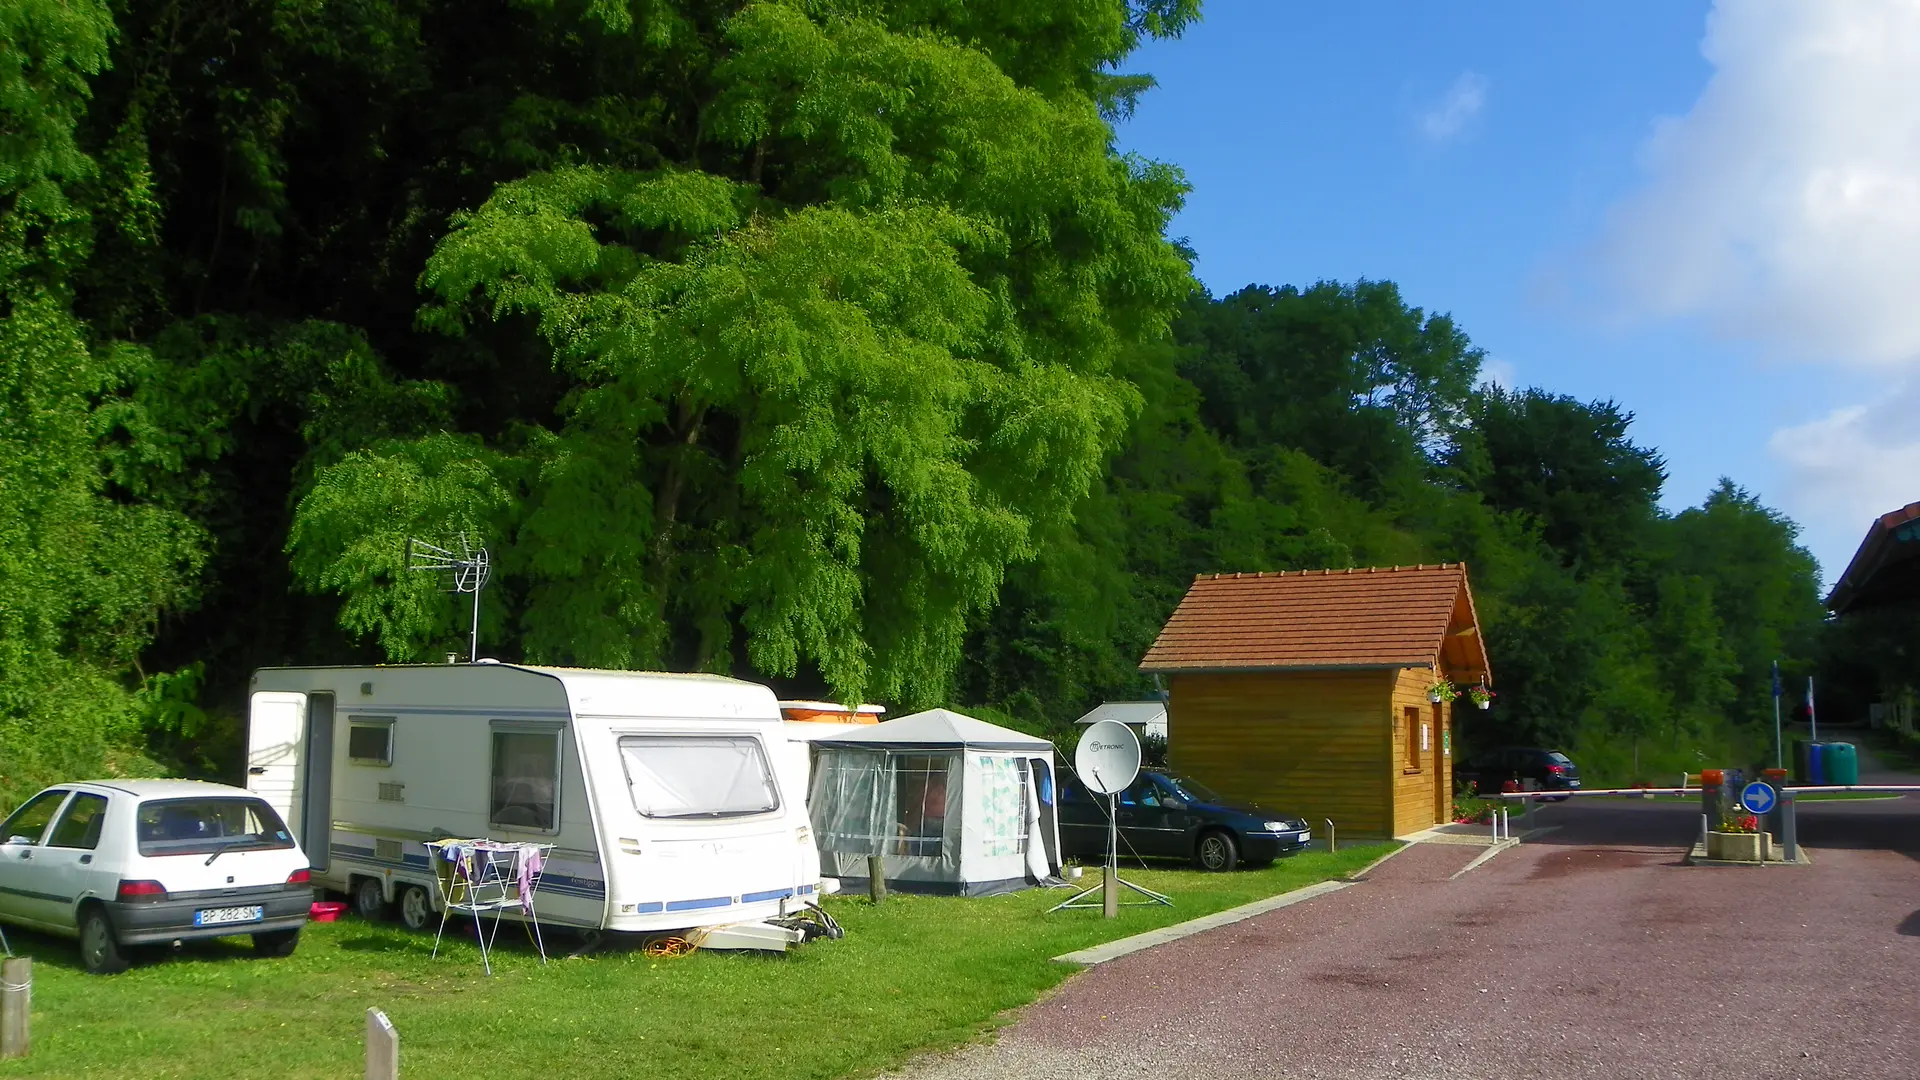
(1108, 757)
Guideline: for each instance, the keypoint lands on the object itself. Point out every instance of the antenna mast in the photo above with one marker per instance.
(470, 570)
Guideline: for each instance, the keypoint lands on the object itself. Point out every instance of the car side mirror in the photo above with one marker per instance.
(26, 840)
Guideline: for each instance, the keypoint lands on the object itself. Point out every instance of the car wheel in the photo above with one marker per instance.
(416, 911)
(370, 899)
(276, 942)
(100, 947)
(1216, 851)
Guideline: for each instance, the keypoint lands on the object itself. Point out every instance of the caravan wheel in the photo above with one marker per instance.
(370, 898)
(416, 911)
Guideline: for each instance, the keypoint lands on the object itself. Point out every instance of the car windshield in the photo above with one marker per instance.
(1193, 789)
(199, 826)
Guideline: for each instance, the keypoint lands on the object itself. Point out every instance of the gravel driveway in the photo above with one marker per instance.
(1590, 953)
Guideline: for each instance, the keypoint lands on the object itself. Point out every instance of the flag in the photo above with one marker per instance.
(1776, 678)
(1810, 718)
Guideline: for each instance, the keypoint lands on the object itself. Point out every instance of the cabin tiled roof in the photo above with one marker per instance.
(1384, 617)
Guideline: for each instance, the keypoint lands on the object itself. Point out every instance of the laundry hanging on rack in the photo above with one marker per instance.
(528, 872)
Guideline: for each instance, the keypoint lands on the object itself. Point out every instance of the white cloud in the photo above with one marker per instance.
(1450, 115)
(1856, 462)
(1849, 467)
(1497, 372)
(1784, 207)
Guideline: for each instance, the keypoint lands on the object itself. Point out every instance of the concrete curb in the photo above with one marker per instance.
(1697, 856)
(1492, 850)
(1114, 950)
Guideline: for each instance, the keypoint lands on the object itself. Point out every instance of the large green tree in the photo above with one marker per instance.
(85, 570)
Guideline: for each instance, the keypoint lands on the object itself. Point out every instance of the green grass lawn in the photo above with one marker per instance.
(913, 973)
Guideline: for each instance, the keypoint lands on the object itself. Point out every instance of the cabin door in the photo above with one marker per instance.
(1442, 796)
(276, 728)
(316, 783)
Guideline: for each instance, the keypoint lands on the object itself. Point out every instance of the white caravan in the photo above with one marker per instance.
(671, 801)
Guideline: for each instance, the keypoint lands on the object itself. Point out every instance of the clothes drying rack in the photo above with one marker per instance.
(483, 877)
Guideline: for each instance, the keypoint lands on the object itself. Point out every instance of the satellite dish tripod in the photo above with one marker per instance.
(1110, 879)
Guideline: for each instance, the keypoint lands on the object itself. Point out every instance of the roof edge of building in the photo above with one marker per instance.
(1267, 669)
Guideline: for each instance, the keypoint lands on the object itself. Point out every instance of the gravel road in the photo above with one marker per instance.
(1590, 953)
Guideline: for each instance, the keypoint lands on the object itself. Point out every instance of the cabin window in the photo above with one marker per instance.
(370, 740)
(920, 804)
(683, 776)
(1414, 734)
(526, 777)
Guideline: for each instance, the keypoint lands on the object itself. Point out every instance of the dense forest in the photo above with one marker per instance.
(830, 343)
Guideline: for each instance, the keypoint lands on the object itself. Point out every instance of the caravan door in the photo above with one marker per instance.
(276, 729)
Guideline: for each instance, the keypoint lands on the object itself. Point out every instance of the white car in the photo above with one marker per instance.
(119, 863)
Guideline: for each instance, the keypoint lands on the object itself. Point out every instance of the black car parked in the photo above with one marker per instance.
(1165, 816)
(1518, 768)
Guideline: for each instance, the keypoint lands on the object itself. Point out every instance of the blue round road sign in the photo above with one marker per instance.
(1757, 797)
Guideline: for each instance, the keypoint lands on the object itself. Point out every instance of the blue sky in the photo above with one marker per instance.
(1607, 209)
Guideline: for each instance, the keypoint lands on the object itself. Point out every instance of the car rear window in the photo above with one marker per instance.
(1558, 758)
(201, 826)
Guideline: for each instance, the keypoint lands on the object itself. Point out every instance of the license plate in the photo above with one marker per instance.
(221, 915)
(1306, 836)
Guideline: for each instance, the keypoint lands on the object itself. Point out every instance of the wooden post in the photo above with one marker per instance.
(383, 1047)
(877, 878)
(16, 1004)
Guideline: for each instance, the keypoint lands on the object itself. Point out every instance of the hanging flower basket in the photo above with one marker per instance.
(1441, 692)
(1481, 697)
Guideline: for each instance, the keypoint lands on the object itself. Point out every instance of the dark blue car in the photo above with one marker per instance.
(1170, 817)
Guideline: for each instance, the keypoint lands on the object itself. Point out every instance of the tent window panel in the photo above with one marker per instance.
(843, 803)
(698, 776)
(1003, 805)
(920, 815)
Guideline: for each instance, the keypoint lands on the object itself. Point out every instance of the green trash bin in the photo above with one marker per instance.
(1842, 763)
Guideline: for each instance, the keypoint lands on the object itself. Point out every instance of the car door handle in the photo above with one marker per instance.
(26, 853)
(84, 859)
(257, 770)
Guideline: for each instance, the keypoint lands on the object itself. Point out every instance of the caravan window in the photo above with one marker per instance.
(678, 776)
(526, 777)
(370, 740)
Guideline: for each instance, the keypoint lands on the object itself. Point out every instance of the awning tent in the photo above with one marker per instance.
(950, 804)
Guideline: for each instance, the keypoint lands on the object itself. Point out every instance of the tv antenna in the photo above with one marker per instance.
(470, 570)
(1108, 760)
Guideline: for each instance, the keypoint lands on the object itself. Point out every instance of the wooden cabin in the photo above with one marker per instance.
(1308, 691)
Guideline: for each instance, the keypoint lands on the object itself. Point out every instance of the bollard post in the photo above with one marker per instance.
(1710, 784)
(1789, 827)
(1332, 847)
(1506, 823)
(383, 1047)
(16, 1005)
(877, 878)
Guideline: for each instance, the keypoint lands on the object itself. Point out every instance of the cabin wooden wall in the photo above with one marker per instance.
(1421, 783)
(1317, 744)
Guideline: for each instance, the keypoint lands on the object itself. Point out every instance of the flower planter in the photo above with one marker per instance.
(1736, 846)
(1483, 704)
